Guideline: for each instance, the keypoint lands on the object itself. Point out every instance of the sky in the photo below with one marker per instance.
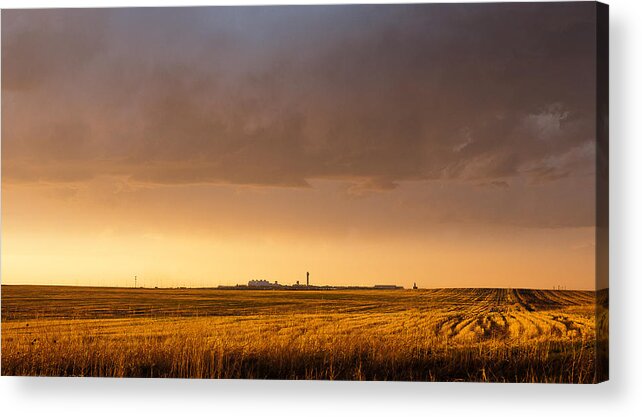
(443, 145)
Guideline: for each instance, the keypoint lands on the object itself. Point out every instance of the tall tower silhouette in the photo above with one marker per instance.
(307, 279)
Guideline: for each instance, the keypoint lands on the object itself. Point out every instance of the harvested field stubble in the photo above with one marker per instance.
(428, 335)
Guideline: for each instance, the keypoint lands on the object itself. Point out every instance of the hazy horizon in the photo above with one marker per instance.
(447, 145)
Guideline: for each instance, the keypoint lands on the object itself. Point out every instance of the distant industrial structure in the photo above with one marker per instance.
(264, 284)
(387, 287)
(261, 283)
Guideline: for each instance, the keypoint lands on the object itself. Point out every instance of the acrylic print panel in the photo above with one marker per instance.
(345, 192)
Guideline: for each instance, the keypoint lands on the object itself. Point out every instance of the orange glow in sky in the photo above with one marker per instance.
(209, 146)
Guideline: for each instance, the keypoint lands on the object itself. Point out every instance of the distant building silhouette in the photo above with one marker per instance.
(261, 283)
(307, 279)
(387, 287)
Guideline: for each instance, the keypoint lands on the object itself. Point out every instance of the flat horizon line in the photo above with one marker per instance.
(311, 287)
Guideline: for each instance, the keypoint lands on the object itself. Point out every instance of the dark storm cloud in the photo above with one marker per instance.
(282, 95)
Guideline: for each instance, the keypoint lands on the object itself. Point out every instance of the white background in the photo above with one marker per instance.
(622, 395)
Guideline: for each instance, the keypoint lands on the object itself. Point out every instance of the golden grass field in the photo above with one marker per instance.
(502, 335)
